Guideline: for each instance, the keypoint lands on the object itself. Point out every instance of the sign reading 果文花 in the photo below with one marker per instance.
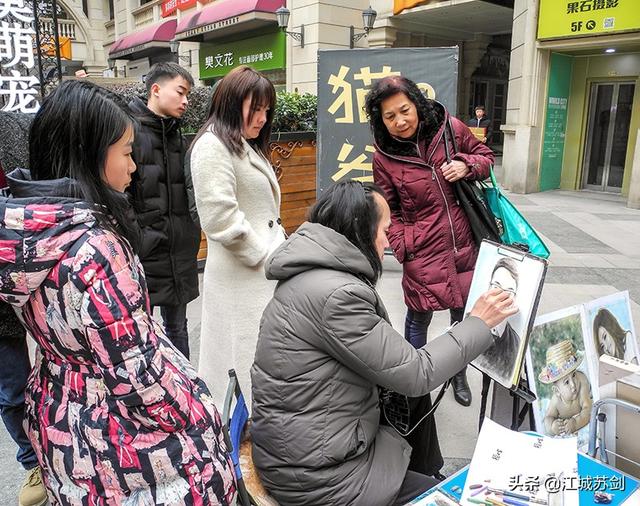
(345, 143)
(266, 52)
(570, 18)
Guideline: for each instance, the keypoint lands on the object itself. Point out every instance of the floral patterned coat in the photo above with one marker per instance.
(115, 414)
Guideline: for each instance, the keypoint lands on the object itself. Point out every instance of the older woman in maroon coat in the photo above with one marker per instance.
(430, 232)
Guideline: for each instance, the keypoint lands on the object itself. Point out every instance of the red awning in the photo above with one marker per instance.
(157, 35)
(224, 15)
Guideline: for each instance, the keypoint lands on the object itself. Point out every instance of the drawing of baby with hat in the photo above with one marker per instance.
(570, 406)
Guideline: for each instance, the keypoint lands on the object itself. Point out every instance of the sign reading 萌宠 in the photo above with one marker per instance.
(17, 87)
(345, 143)
(266, 52)
(568, 18)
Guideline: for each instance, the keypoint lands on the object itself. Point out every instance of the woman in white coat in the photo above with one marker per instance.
(238, 201)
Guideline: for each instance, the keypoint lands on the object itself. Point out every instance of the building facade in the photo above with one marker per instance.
(81, 28)
(558, 78)
(573, 108)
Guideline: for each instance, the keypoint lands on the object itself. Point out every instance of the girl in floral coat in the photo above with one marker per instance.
(116, 415)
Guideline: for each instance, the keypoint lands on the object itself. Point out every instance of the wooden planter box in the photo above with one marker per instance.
(293, 156)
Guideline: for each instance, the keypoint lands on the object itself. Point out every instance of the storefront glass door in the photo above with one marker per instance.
(607, 135)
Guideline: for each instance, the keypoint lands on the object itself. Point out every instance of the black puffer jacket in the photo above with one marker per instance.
(170, 239)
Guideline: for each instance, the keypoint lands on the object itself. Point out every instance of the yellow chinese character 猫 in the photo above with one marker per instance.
(345, 99)
(344, 87)
(357, 163)
(367, 77)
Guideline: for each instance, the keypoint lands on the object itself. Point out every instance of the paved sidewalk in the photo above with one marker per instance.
(595, 244)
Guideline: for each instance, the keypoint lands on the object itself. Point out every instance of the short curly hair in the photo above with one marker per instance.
(392, 85)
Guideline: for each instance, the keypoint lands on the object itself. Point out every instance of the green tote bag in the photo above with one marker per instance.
(514, 229)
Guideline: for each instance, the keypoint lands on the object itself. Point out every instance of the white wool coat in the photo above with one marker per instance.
(238, 201)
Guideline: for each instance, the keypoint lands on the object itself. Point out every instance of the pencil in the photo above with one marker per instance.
(478, 491)
(509, 494)
(477, 501)
(523, 497)
(513, 502)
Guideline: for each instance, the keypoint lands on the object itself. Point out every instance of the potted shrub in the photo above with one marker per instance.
(293, 155)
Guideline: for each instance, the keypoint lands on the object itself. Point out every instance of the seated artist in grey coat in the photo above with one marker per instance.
(324, 349)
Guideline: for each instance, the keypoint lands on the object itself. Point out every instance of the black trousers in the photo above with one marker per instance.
(413, 485)
(426, 457)
(175, 326)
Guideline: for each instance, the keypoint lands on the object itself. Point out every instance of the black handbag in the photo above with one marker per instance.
(471, 198)
(481, 220)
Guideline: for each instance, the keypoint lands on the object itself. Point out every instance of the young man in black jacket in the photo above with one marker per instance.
(170, 238)
(482, 121)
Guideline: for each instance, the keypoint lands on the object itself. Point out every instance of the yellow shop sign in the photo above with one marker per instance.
(569, 18)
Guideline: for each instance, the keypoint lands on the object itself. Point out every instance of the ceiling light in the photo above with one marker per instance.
(610, 50)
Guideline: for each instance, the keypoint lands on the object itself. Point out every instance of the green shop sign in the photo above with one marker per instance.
(555, 124)
(266, 52)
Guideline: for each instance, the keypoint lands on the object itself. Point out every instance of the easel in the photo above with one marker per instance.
(519, 394)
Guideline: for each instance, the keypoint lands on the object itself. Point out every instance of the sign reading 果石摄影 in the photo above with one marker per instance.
(266, 52)
(570, 18)
(17, 87)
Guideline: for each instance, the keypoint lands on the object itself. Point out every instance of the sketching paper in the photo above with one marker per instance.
(508, 460)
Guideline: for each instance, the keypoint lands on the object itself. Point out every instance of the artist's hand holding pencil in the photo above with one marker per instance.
(494, 306)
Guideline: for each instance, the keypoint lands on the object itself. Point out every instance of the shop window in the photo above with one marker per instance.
(499, 113)
(479, 95)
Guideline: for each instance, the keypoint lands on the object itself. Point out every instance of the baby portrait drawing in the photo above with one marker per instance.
(570, 405)
(560, 375)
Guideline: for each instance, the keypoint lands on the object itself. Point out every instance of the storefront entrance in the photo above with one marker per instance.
(610, 107)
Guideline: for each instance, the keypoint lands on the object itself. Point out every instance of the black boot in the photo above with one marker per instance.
(461, 390)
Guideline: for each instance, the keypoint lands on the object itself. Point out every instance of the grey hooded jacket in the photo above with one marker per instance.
(325, 345)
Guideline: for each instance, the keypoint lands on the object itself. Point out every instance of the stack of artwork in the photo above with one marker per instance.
(563, 361)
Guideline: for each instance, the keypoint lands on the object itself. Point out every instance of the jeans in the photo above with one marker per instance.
(417, 323)
(14, 372)
(175, 326)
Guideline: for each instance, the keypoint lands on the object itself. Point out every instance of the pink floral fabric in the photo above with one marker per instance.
(116, 415)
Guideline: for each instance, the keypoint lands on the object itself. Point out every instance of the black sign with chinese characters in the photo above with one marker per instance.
(345, 144)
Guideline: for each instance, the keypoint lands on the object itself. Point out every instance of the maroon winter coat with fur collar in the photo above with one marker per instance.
(429, 232)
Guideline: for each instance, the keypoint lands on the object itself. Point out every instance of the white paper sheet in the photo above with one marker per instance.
(520, 463)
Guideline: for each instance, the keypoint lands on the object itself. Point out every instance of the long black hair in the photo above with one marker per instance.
(225, 112)
(429, 114)
(348, 207)
(605, 319)
(70, 136)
